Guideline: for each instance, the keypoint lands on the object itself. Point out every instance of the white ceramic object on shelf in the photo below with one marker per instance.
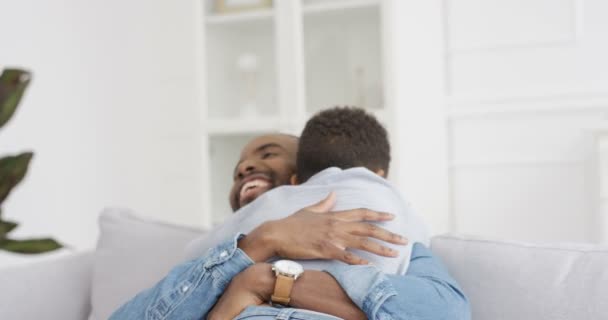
(248, 66)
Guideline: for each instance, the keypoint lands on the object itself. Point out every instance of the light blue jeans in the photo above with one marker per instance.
(268, 313)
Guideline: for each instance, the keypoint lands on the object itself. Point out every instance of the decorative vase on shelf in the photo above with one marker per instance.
(248, 66)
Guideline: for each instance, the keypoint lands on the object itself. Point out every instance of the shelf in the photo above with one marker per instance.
(339, 46)
(327, 6)
(229, 85)
(240, 17)
(242, 126)
(343, 56)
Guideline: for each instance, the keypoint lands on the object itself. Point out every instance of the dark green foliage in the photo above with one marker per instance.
(13, 169)
(13, 83)
(30, 246)
(6, 227)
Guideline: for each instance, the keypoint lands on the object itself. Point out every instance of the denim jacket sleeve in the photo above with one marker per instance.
(190, 289)
(426, 291)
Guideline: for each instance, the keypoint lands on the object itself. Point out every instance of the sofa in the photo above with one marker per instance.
(502, 279)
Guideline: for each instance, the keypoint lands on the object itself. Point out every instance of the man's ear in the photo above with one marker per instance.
(293, 180)
(381, 173)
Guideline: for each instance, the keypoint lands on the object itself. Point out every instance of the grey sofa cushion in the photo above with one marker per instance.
(55, 288)
(509, 280)
(132, 255)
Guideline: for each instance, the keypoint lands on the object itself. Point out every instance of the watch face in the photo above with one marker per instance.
(288, 267)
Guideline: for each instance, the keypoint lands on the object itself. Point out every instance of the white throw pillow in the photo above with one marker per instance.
(525, 281)
(132, 254)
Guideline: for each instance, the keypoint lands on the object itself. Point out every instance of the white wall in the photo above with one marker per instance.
(526, 80)
(522, 83)
(111, 114)
(414, 78)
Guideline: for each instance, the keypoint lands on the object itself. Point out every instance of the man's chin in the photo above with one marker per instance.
(245, 202)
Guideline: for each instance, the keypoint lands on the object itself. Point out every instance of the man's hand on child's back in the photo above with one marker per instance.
(317, 233)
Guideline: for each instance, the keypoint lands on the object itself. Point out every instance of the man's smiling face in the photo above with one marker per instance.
(266, 162)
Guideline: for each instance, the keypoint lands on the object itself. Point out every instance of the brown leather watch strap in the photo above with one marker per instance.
(282, 290)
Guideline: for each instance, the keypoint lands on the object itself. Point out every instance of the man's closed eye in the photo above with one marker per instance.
(268, 155)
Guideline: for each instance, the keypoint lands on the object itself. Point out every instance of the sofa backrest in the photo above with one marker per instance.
(510, 280)
(55, 288)
(132, 254)
(503, 280)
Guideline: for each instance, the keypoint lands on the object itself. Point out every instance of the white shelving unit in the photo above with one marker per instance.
(309, 54)
(322, 6)
(236, 18)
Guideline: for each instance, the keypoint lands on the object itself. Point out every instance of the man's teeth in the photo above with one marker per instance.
(253, 184)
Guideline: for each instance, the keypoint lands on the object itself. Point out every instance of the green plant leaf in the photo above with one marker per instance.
(30, 246)
(13, 83)
(12, 171)
(6, 227)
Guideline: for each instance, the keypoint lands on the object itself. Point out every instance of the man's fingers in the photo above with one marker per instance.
(324, 205)
(345, 256)
(367, 244)
(376, 232)
(362, 215)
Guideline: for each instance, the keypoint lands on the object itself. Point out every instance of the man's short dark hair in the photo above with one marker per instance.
(343, 137)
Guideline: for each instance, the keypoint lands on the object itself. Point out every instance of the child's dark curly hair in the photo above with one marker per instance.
(343, 137)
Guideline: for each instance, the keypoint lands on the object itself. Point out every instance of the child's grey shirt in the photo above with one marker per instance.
(355, 188)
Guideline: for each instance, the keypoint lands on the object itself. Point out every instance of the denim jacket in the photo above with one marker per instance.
(191, 289)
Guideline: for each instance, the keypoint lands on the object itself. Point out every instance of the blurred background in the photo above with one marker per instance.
(497, 109)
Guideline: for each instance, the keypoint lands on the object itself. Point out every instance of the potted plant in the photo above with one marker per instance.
(13, 168)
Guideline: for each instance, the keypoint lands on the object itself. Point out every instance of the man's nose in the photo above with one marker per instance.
(245, 168)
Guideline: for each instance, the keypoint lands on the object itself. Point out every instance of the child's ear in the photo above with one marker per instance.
(293, 180)
(381, 173)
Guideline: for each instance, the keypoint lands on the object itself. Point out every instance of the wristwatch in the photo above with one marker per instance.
(287, 272)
